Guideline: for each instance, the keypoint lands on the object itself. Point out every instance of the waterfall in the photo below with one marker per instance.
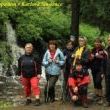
(16, 51)
(12, 42)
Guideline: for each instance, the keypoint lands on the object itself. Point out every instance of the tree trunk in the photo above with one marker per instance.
(75, 19)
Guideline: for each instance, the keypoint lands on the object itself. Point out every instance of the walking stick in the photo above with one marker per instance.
(47, 92)
(62, 84)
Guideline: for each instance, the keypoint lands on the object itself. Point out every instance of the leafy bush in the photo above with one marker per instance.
(5, 54)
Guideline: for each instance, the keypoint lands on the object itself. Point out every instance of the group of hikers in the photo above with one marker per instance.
(74, 62)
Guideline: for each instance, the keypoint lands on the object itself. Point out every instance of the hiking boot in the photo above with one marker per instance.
(77, 103)
(52, 100)
(37, 102)
(85, 105)
(28, 101)
(107, 104)
(96, 98)
(100, 101)
(85, 101)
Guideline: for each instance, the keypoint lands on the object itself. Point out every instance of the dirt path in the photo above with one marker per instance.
(59, 106)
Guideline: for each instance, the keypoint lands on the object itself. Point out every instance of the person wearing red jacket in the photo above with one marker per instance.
(78, 84)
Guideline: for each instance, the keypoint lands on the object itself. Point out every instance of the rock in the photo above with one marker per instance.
(3, 78)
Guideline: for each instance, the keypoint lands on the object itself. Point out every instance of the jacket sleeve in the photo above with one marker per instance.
(45, 61)
(71, 82)
(104, 62)
(64, 52)
(38, 66)
(85, 57)
(19, 70)
(86, 80)
(62, 59)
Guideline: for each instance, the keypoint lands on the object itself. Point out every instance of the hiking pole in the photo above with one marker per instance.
(47, 97)
(62, 85)
(47, 91)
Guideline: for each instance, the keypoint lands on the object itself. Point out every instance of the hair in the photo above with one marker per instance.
(98, 40)
(29, 44)
(53, 42)
(84, 38)
(69, 41)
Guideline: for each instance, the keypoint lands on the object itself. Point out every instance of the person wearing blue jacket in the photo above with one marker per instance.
(53, 60)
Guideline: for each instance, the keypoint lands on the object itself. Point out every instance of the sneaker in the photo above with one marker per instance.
(100, 102)
(37, 102)
(28, 101)
(107, 104)
(52, 100)
(85, 105)
(96, 98)
(84, 101)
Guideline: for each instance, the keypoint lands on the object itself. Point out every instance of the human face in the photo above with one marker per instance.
(69, 46)
(52, 47)
(97, 44)
(79, 67)
(82, 42)
(29, 48)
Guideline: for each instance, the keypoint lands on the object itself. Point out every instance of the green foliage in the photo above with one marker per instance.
(36, 22)
(5, 54)
(96, 12)
(91, 32)
(42, 22)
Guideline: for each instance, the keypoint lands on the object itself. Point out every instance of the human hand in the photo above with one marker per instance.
(56, 61)
(102, 75)
(50, 60)
(92, 56)
(76, 89)
(101, 52)
(73, 55)
(39, 76)
(65, 57)
(74, 97)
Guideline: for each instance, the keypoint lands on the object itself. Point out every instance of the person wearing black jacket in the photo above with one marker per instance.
(107, 75)
(29, 71)
(98, 66)
(68, 60)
